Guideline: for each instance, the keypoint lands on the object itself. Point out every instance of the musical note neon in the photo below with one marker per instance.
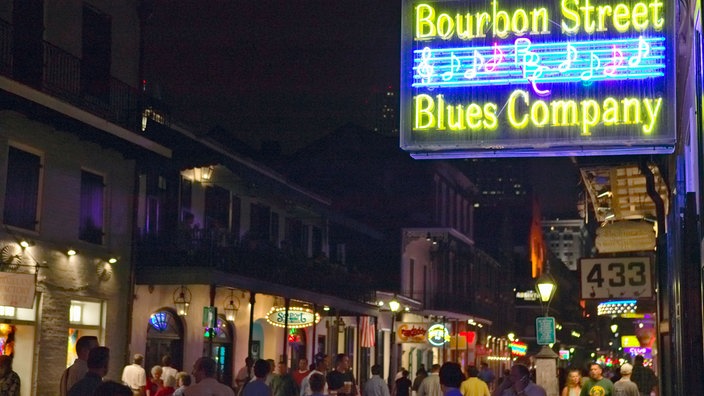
(571, 55)
(642, 52)
(455, 65)
(425, 69)
(478, 62)
(617, 61)
(531, 63)
(495, 60)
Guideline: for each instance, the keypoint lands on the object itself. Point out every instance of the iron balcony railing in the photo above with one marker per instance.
(254, 258)
(62, 76)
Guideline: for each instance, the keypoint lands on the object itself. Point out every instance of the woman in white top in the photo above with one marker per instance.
(574, 383)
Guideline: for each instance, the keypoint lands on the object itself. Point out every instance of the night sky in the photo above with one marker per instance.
(290, 71)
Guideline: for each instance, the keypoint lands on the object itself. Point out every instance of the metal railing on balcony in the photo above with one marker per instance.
(254, 258)
(62, 76)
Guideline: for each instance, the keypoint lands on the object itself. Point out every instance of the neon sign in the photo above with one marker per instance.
(518, 348)
(554, 77)
(297, 317)
(438, 335)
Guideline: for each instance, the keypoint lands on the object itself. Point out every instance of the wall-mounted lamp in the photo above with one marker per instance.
(182, 300)
(427, 237)
(71, 252)
(25, 243)
(394, 306)
(206, 173)
(232, 307)
(112, 260)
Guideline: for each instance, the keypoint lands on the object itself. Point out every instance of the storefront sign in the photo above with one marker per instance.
(413, 333)
(297, 317)
(546, 77)
(210, 315)
(635, 351)
(625, 236)
(438, 335)
(17, 290)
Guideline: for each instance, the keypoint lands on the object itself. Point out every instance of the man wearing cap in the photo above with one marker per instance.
(597, 385)
(624, 386)
(134, 375)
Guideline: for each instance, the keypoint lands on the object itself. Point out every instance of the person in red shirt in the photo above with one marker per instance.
(302, 372)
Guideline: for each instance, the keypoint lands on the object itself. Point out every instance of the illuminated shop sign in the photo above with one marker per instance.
(635, 351)
(518, 348)
(297, 317)
(543, 77)
(414, 333)
(438, 335)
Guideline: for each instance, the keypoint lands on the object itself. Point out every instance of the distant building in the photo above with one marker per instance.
(567, 239)
(383, 112)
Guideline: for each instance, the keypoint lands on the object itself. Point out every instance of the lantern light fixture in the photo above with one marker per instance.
(182, 300)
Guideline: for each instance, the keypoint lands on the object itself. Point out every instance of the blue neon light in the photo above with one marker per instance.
(624, 302)
(524, 62)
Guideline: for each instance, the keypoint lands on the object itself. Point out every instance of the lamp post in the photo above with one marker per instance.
(545, 286)
(394, 306)
(546, 359)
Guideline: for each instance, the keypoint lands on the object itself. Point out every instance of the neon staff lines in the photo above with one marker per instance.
(524, 62)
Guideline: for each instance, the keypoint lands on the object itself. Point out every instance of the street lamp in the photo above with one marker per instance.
(394, 306)
(545, 286)
(546, 359)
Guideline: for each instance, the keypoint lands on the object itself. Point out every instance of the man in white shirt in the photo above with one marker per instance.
(79, 368)
(206, 384)
(135, 376)
(321, 367)
(166, 369)
(376, 386)
(431, 384)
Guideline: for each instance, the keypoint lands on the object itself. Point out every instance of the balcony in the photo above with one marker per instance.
(253, 258)
(61, 75)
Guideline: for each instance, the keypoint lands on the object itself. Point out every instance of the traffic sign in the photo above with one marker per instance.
(545, 330)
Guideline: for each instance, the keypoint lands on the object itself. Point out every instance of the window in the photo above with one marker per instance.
(86, 318)
(22, 189)
(294, 234)
(90, 228)
(259, 221)
(217, 206)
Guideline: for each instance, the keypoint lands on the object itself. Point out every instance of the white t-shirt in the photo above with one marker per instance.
(134, 376)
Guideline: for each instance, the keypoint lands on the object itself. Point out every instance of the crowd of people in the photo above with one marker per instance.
(624, 380)
(85, 377)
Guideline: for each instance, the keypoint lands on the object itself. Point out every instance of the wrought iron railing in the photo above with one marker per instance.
(61, 76)
(255, 258)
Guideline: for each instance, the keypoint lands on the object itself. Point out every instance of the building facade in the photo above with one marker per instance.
(70, 140)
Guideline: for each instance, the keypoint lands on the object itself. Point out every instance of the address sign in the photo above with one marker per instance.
(616, 278)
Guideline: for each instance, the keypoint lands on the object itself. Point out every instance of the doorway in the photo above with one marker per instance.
(164, 337)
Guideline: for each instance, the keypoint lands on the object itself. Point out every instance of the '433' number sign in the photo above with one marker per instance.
(616, 277)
